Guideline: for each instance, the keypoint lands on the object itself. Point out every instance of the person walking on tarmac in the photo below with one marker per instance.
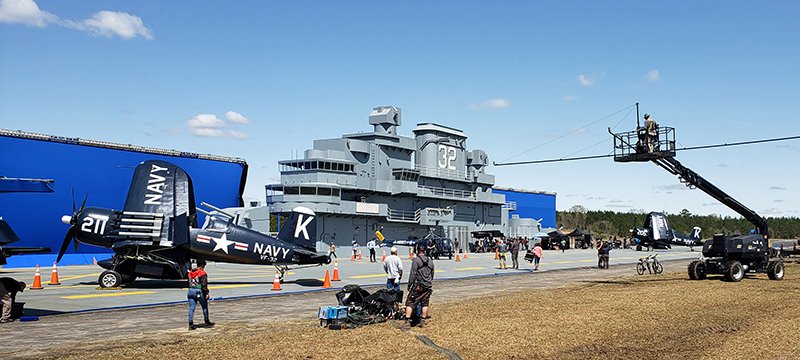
(198, 292)
(8, 294)
(537, 255)
(332, 251)
(515, 253)
(393, 267)
(502, 249)
(371, 246)
(420, 286)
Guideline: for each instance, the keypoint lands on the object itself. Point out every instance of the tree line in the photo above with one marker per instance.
(611, 223)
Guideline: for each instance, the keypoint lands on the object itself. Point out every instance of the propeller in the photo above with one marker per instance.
(73, 222)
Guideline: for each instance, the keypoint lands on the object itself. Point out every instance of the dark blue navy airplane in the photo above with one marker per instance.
(657, 234)
(156, 235)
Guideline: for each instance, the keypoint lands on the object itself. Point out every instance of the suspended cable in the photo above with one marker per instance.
(681, 149)
(570, 132)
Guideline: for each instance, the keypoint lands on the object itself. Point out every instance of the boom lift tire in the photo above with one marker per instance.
(775, 270)
(734, 271)
(697, 270)
(109, 279)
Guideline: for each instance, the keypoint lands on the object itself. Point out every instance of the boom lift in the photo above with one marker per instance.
(731, 256)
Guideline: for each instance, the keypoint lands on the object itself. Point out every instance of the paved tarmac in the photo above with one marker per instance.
(78, 290)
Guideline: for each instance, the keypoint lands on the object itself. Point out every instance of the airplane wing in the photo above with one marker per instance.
(162, 190)
(8, 236)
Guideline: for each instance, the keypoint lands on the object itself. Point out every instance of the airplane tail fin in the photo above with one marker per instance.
(164, 189)
(695, 233)
(301, 228)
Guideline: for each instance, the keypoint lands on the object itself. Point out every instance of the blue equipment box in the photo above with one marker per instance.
(333, 312)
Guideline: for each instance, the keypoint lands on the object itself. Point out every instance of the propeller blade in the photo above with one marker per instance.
(65, 244)
(83, 203)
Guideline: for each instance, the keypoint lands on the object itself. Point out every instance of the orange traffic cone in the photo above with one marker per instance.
(276, 283)
(458, 258)
(497, 254)
(353, 257)
(327, 283)
(336, 271)
(54, 276)
(465, 255)
(383, 258)
(359, 255)
(37, 279)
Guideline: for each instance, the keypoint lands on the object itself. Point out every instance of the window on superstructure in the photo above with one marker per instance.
(305, 190)
(335, 192)
(291, 191)
(323, 191)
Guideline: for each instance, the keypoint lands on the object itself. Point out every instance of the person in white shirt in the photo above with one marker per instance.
(393, 267)
(371, 246)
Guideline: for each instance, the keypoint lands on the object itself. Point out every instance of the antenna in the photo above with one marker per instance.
(637, 116)
(212, 207)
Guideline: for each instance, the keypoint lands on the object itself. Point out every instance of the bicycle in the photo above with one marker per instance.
(649, 263)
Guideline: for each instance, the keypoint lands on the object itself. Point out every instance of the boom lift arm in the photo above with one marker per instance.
(693, 179)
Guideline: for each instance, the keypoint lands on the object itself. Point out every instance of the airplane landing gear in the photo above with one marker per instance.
(109, 278)
(282, 270)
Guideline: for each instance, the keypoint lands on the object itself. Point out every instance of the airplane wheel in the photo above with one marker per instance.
(734, 271)
(109, 278)
(775, 270)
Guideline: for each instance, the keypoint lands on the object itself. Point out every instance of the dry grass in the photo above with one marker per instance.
(664, 316)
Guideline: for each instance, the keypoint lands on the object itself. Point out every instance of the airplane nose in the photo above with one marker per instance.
(65, 219)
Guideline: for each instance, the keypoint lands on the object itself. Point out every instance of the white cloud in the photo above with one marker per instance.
(780, 188)
(585, 80)
(24, 12)
(653, 76)
(237, 134)
(671, 187)
(491, 104)
(771, 211)
(570, 98)
(236, 117)
(110, 23)
(209, 125)
(205, 121)
(207, 132)
(104, 23)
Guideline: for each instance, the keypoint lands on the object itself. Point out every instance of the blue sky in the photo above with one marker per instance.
(260, 80)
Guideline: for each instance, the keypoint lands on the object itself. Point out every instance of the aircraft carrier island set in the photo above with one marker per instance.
(356, 185)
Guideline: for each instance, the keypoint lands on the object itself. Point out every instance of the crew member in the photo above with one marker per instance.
(198, 292)
(332, 251)
(651, 129)
(8, 294)
(515, 253)
(355, 249)
(371, 246)
(502, 249)
(393, 267)
(420, 286)
(537, 255)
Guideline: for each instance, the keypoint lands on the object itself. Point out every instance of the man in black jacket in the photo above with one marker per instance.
(420, 285)
(8, 294)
